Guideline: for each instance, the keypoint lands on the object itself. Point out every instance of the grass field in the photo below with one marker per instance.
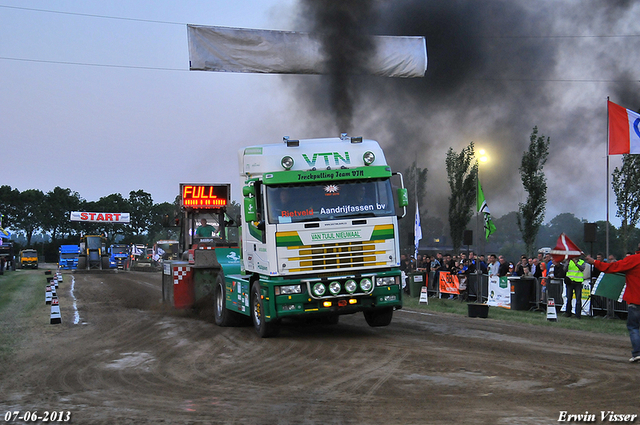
(538, 318)
(22, 296)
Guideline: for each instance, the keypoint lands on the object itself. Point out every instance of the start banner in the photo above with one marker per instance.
(99, 217)
(449, 283)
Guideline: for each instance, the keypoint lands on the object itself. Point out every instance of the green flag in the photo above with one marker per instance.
(489, 227)
(610, 286)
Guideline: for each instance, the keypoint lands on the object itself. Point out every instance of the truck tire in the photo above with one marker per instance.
(378, 317)
(104, 263)
(82, 263)
(265, 329)
(222, 315)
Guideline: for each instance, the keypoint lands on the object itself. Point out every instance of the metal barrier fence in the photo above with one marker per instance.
(534, 295)
(433, 287)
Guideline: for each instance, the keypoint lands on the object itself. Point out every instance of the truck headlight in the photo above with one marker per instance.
(288, 289)
(368, 158)
(286, 162)
(319, 289)
(366, 284)
(386, 281)
(350, 285)
(334, 287)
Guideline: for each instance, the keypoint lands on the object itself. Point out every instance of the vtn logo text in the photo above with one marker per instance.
(337, 158)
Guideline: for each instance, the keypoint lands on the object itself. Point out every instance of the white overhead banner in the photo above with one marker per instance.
(99, 217)
(226, 49)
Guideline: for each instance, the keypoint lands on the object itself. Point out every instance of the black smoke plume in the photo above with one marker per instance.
(341, 28)
(496, 69)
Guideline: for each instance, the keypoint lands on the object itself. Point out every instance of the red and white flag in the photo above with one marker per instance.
(624, 130)
(565, 249)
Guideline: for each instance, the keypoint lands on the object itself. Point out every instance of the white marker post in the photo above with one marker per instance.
(552, 316)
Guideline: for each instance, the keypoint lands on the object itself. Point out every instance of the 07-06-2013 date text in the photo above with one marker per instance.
(36, 416)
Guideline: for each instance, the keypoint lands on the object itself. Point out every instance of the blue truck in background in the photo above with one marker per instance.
(118, 256)
(68, 259)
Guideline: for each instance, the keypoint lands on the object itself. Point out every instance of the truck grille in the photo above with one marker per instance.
(340, 255)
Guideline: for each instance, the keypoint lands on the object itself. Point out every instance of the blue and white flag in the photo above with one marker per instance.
(417, 231)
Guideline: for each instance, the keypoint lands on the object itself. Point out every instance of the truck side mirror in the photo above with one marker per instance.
(248, 190)
(403, 197)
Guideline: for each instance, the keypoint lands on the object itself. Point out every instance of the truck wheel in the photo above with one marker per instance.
(378, 317)
(265, 329)
(219, 295)
(223, 316)
(104, 263)
(82, 263)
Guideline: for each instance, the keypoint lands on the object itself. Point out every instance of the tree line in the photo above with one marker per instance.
(32, 211)
(522, 231)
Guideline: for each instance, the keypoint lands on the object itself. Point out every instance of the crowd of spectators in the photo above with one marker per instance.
(491, 265)
(572, 272)
(469, 263)
(540, 267)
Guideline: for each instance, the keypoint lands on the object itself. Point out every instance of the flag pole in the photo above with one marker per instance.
(415, 228)
(478, 271)
(610, 307)
(415, 191)
(607, 186)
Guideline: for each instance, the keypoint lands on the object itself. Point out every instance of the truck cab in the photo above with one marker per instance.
(68, 257)
(319, 232)
(118, 256)
(319, 237)
(29, 259)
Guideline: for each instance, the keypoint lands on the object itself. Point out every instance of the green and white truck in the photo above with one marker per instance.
(319, 237)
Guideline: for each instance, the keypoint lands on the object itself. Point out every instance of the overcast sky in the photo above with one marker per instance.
(96, 96)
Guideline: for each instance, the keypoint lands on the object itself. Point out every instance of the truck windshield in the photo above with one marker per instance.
(118, 249)
(327, 201)
(94, 242)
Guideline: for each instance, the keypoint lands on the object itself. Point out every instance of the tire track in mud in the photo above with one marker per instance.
(136, 362)
(112, 367)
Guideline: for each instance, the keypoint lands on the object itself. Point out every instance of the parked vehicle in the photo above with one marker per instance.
(68, 257)
(29, 259)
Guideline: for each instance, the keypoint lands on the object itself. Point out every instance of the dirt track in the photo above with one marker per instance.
(129, 361)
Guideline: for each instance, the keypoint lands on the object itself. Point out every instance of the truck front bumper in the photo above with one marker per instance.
(304, 303)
